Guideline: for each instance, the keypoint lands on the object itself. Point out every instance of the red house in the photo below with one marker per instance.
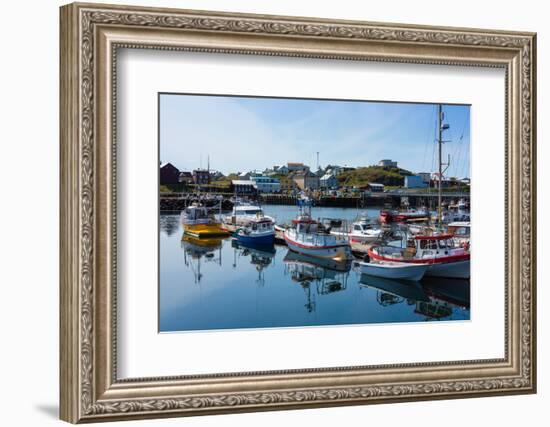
(169, 174)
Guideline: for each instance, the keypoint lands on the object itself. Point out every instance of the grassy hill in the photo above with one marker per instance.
(360, 177)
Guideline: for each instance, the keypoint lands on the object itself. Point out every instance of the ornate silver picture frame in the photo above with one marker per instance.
(91, 34)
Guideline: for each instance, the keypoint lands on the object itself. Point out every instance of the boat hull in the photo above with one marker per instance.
(452, 270)
(266, 239)
(204, 230)
(336, 252)
(413, 272)
(357, 238)
(388, 217)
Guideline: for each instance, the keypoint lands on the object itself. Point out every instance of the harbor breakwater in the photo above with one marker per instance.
(178, 202)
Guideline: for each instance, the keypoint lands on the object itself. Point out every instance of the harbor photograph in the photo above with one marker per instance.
(289, 212)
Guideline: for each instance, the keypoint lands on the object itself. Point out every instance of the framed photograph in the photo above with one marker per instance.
(266, 212)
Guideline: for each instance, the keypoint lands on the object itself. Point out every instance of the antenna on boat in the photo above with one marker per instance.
(441, 127)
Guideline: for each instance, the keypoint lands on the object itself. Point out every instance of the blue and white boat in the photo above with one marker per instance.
(244, 212)
(257, 231)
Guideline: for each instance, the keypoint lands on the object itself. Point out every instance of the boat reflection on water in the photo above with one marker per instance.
(261, 256)
(433, 298)
(393, 291)
(169, 224)
(195, 249)
(455, 292)
(447, 297)
(322, 275)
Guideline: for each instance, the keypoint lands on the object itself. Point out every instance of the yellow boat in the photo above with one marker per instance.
(204, 230)
(197, 222)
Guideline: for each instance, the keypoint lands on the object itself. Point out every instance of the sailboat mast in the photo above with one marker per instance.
(440, 146)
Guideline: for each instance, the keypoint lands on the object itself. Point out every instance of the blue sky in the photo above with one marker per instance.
(243, 134)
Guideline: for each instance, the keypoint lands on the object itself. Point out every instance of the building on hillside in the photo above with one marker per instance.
(242, 188)
(169, 174)
(266, 184)
(425, 177)
(328, 181)
(244, 175)
(306, 180)
(414, 181)
(375, 187)
(215, 175)
(201, 176)
(319, 172)
(334, 170)
(296, 167)
(280, 170)
(445, 182)
(186, 178)
(288, 185)
(387, 163)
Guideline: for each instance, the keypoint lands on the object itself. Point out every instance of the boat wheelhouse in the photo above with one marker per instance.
(454, 215)
(244, 212)
(364, 230)
(438, 251)
(197, 221)
(460, 231)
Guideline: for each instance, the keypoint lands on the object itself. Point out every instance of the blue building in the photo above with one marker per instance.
(415, 181)
(328, 181)
(266, 184)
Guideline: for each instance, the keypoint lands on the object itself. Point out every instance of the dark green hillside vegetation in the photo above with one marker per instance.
(360, 177)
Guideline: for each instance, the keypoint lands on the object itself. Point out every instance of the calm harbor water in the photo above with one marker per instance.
(220, 284)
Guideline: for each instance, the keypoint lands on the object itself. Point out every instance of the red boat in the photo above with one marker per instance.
(387, 216)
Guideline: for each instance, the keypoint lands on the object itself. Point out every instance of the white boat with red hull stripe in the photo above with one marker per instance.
(310, 237)
(439, 252)
(317, 245)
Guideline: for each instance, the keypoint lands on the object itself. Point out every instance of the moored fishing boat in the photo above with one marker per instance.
(438, 252)
(243, 212)
(310, 237)
(388, 216)
(364, 230)
(452, 215)
(258, 231)
(197, 221)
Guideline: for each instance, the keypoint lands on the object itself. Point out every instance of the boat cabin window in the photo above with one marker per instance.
(249, 212)
(446, 244)
(461, 231)
(428, 244)
(357, 227)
